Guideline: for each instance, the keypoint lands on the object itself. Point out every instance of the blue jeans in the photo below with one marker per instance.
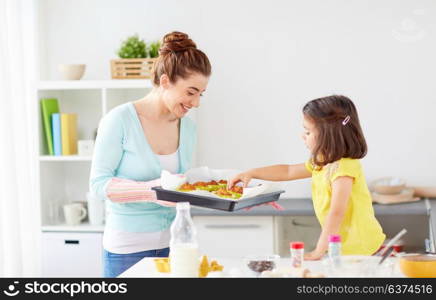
(115, 264)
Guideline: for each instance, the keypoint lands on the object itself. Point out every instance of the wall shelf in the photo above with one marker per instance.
(51, 158)
(94, 84)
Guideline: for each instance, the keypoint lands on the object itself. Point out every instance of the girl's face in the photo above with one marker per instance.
(309, 134)
(179, 97)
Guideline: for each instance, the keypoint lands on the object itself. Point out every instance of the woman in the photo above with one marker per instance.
(135, 142)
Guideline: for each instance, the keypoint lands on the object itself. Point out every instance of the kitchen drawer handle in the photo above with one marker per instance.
(231, 226)
(72, 242)
(295, 223)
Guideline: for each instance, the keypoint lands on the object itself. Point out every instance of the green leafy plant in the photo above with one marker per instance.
(133, 47)
(153, 49)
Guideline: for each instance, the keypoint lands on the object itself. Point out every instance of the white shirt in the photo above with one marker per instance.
(124, 242)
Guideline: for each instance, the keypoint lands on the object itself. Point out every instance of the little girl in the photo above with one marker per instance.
(341, 198)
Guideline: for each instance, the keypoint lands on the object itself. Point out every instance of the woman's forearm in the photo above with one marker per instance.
(124, 190)
(120, 190)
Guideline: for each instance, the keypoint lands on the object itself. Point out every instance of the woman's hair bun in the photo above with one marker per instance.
(179, 58)
(175, 42)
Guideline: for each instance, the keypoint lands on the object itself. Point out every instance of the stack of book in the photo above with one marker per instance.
(60, 129)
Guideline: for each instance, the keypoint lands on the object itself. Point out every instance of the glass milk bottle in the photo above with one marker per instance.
(184, 254)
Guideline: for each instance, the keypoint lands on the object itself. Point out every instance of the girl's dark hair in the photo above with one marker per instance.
(336, 138)
(178, 58)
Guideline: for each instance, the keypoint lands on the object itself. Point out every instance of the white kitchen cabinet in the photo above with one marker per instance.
(235, 236)
(295, 228)
(69, 254)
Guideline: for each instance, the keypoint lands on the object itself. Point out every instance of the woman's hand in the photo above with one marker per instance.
(243, 177)
(314, 255)
(165, 203)
(275, 205)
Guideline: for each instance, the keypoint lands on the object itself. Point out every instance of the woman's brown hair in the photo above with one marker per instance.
(179, 58)
(339, 134)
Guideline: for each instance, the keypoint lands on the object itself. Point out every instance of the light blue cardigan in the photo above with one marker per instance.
(121, 150)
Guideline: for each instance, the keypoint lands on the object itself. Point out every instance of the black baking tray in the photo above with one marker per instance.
(215, 203)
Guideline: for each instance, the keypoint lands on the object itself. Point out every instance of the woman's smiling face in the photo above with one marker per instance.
(309, 134)
(184, 94)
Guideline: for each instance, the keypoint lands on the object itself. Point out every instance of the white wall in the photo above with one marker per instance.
(269, 58)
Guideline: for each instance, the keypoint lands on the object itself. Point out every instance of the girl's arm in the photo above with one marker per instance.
(272, 173)
(425, 191)
(341, 191)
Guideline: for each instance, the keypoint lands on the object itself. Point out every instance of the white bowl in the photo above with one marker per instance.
(389, 185)
(406, 195)
(72, 71)
(359, 266)
(259, 263)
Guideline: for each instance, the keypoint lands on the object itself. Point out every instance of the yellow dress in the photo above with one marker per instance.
(361, 233)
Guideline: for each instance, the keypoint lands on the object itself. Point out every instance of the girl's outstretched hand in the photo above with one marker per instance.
(243, 177)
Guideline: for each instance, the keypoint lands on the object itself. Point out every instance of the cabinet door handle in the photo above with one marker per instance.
(295, 223)
(231, 226)
(72, 242)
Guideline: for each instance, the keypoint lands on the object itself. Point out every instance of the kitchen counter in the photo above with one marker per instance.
(234, 267)
(419, 217)
(432, 209)
(304, 207)
(292, 207)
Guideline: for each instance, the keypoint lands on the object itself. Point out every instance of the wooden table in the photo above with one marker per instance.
(234, 267)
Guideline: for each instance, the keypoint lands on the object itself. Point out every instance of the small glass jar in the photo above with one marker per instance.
(297, 254)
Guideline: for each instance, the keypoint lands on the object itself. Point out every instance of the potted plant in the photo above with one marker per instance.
(135, 59)
(153, 49)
